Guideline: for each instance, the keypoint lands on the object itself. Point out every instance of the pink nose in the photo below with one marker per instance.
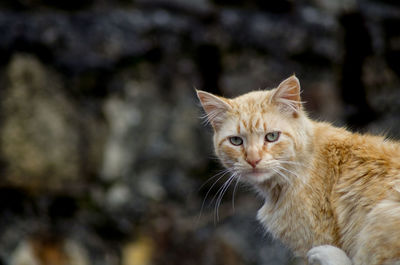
(253, 162)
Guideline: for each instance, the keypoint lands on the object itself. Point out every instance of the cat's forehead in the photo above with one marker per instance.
(254, 113)
(253, 97)
(256, 122)
(252, 102)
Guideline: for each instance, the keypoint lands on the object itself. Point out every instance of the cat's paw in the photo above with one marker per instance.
(327, 255)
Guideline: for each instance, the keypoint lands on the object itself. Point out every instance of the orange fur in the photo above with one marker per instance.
(322, 185)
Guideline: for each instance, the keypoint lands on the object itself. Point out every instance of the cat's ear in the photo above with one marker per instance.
(215, 107)
(287, 95)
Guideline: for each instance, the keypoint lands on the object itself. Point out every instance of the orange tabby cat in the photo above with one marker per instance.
(330, 195)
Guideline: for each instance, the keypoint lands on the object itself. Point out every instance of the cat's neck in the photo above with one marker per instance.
(271, 190)
(297, 171)
(274, 191)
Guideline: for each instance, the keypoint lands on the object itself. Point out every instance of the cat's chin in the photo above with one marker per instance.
(258, 177)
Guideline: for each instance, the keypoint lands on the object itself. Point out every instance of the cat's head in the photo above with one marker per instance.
(261, 134)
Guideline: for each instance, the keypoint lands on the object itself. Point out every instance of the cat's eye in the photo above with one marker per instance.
(272, 136)
(236, 140)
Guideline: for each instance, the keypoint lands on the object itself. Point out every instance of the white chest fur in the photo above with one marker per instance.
(290, 223)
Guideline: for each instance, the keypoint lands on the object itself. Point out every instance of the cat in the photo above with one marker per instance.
(330, 195)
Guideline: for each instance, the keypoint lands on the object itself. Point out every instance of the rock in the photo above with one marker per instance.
(336, 7)
(118, 196)
(39, 131)
(147, 132)
(43, 144)
(139, 252)
(49, 251)
(194, 7)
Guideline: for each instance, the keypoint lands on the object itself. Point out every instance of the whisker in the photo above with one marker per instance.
(221, 193)
(294, 174)
(220, 190)
(212, 186)
(291, 162)
(309, 167)
(221, 175)
(234, 192)
(223, 185)
(291, 172)
(222, 172)
(282, 175)
(298, 164)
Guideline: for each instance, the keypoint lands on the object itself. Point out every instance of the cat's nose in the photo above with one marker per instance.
(253, 162)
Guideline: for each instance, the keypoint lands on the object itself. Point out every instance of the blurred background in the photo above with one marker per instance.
(103, 157)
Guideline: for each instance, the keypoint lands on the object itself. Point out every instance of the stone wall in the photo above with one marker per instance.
(102, 152)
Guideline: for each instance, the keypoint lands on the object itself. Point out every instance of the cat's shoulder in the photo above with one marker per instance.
(329, 138)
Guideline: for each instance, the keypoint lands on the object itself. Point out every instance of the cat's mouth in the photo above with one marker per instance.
(257, 171)
(258, 174)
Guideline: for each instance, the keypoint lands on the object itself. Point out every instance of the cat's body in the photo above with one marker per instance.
(349, 177)
(322, 185)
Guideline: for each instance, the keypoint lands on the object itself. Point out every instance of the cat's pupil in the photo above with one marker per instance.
(236, 140)
(272, 136)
